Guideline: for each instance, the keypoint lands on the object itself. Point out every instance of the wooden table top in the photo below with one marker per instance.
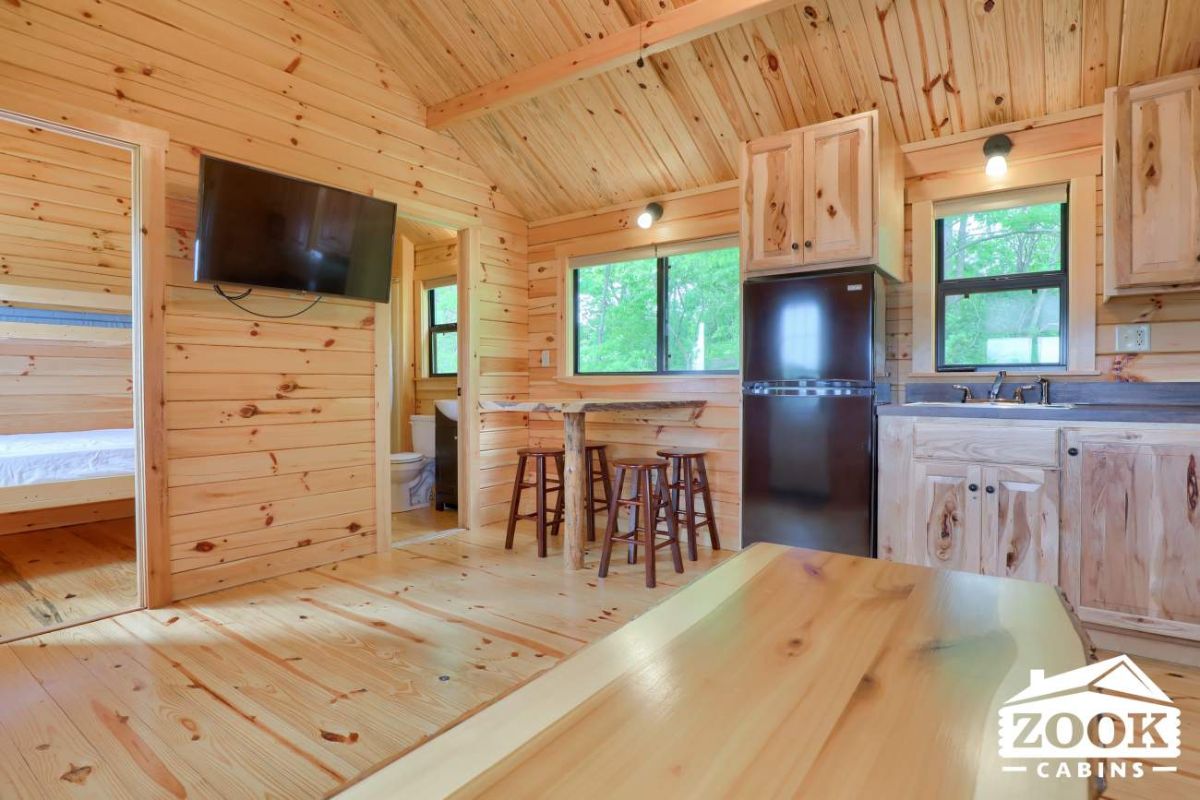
(582, 405)
(783, 672)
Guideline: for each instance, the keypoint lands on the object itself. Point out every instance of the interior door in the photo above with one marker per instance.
(839, 190)
(1133, 553)
(771, 202)
(1020, 523)
(947, 513)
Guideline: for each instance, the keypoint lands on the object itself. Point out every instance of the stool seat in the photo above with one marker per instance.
(681, 452)
(548, 452)
(638, 463)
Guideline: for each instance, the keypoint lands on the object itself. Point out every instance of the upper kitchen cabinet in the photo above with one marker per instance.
(825, 196)
(1152, 186)
(771, 201)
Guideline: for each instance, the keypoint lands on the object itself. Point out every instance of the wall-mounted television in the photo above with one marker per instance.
(257, 228)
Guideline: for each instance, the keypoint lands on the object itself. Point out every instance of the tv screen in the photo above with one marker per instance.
(257, 228)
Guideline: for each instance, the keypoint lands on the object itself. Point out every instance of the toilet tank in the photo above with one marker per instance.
(422, 434)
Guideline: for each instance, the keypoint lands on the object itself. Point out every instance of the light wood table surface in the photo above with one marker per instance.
(781, 673)
(574, 441)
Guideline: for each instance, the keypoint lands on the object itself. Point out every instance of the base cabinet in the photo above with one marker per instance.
(1133, 528)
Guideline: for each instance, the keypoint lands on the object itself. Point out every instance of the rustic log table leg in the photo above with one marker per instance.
(573, 490)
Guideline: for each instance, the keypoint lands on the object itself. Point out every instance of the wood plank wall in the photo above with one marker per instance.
(688, 216)
(65, 244)
(271, 422)
(434, 260)
(1175, 336)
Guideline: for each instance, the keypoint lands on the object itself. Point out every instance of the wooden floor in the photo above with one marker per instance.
(292, 686)
(58, 576)
(1182, 685)
(422, 522)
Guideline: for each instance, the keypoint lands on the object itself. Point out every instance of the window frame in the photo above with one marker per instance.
(1047, 279)
(432, 330)
(662, 328)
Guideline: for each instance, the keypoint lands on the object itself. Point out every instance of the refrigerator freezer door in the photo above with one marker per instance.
(814, 327)
(807, 466)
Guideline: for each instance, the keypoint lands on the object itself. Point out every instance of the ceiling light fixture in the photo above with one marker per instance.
(651, 214)
(996, 150)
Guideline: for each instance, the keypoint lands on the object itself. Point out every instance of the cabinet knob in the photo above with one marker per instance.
(991, 490)
(795, 246)
(808, 242)
(1072, 451)
(974, 487)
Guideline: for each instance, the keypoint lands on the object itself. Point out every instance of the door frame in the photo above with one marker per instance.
(147, 147)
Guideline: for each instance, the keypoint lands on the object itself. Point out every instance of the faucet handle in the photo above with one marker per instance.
(966, 390)
(1019, 392)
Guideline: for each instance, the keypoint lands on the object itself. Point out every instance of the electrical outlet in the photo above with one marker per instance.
(1133, 338)
(545, 358)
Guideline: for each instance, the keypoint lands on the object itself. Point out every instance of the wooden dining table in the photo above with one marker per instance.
(576, 470)
(781, 673)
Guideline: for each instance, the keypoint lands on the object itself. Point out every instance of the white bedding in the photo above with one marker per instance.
(28, 458)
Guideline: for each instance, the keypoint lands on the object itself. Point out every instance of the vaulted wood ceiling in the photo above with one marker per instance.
(933, 67)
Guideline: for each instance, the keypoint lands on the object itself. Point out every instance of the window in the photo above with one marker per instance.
(661, 314)
(1001, 281)
(443, 331)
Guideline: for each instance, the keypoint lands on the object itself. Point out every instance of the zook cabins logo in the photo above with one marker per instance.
(1104, 720)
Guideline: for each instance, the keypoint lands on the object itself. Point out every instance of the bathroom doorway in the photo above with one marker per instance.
(425, 408)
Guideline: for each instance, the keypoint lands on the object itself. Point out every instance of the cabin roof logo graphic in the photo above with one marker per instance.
(1110, 709)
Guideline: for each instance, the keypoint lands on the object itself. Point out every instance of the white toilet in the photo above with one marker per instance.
(412, 473)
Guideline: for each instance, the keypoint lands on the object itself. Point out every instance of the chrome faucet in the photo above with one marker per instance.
(1044, 384)
(994, 392)
(967, 394)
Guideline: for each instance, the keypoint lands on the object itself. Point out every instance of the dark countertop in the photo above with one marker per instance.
(1097, 412)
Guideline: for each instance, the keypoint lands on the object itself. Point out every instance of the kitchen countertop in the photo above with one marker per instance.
(1083, 412)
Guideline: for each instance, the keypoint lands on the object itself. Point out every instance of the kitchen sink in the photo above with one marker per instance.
(999, 404)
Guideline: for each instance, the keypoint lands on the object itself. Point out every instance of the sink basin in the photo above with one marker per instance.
(448, 407)
(1002, 404)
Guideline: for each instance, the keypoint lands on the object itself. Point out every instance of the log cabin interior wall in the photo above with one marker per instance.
(695, 215)
(271, 423)
(65, 246)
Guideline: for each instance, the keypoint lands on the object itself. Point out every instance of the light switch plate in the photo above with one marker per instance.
(1133, 338)
(545, 358)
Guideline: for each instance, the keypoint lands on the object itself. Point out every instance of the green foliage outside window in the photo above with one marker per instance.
(617, 310)
(443, 330)
(1003, 280)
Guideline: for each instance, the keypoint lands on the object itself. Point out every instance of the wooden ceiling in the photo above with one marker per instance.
(933, 67)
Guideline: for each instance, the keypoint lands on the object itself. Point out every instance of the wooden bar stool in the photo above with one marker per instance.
(689, 477)
(543, 486)
(651, 505)
(596, 457)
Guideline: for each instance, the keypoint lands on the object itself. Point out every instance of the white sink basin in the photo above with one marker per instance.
(448, 407)
(989, 404)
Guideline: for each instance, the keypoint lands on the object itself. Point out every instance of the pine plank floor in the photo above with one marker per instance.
(58, 576)
(292, 686)
(421, 522)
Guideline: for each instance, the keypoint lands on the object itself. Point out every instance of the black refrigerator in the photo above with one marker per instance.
(811, 347)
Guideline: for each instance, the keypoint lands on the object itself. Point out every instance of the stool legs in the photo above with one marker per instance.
(689, 503)
(709, 515)
(613, 506)
(516, 503)
(672, 523)
(560, 505)
(540, 512)
(652, 505)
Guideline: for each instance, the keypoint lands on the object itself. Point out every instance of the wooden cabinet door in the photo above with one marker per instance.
(1131, 538)
(945, 530)
(839, 191)
(1020, 523)
(1153, 183)
(771, 202)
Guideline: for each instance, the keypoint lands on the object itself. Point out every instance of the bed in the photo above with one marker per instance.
(47, 470)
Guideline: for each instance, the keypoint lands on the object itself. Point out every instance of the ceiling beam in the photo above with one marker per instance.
(671, 29)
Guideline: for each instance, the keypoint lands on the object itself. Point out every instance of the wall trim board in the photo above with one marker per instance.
(148, 148)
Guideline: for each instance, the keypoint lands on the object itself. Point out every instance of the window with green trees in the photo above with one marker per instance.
(1002, 287)
(443, 331)
(672, 314)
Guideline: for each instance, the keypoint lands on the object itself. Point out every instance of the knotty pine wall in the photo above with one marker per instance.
(434, 260)
(271, 423)
(65, 244)
(1175, 317)
(696, 215)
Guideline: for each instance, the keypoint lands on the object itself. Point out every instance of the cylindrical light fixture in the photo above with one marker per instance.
(651, 214)
(996, 150)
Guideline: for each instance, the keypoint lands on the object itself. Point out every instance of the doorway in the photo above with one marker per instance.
(71, 437)
(425, 432)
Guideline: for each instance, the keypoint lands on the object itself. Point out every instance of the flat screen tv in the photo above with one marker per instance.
(257, 228)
